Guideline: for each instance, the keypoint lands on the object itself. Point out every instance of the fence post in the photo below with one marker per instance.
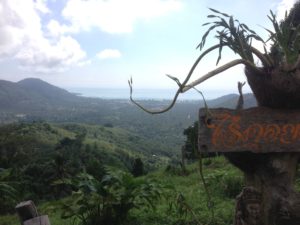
(26, 210)
(40, 220)
(28, 214)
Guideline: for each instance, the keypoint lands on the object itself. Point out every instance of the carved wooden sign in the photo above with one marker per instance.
(257, 129)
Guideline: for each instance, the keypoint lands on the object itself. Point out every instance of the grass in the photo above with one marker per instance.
(216, 173)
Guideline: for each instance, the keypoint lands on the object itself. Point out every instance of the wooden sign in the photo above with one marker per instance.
(259, 130)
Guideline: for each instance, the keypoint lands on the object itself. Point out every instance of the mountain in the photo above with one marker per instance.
(35, 100)
(230, 101)
(31, 95)
(46, 90)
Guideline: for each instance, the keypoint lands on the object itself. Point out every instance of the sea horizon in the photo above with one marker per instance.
(146, 94)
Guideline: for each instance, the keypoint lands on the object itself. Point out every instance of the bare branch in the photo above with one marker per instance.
(184, 87)
(220, 70)
(179, 89)
(154, 111)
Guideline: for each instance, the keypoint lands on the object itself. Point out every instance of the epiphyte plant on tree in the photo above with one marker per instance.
(283, 56)
(275, 83)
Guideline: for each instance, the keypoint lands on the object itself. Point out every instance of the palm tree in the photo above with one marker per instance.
(275, 82)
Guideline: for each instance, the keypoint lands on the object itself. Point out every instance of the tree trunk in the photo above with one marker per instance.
(271, 176)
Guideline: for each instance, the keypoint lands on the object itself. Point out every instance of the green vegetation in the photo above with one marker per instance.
(59, 165)
(79, 174)
(161, 197)
(35, 155)
(109, 200)
(99, 162)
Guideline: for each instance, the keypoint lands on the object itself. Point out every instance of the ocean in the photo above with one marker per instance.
(146, 94)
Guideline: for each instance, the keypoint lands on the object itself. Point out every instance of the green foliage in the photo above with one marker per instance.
(237, 36)
(285, 40)
(175, 170)
(184, 211)
(39, 154)
(8, 193)
(193, 200)
(109, 201)
(228, 183)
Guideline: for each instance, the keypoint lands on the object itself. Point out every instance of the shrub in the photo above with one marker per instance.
(225, 183)
(109, 201)
(8, 194)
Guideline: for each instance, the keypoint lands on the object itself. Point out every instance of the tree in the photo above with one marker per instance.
(275, 83)
(191, 143)
(8, 193)
(138, 168)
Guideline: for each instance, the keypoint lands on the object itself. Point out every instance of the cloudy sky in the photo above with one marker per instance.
(102, 43)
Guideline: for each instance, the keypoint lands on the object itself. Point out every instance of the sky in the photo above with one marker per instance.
(102, 43)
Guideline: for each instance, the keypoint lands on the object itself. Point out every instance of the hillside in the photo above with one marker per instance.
(47, 91)
(36, 155)
(35, 100)
(21, 144)
(33, 97)
(88, 135)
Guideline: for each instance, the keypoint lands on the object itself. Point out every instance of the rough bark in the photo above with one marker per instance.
(273, 174)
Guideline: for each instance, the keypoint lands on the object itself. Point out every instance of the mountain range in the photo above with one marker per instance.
(33, 94)
(35, 99)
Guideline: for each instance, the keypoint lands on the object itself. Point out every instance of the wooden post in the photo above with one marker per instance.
(26, 210)
(28, 214)
(265, 144)
(40, 220)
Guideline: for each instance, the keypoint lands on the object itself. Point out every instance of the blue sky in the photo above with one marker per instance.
(102, 43)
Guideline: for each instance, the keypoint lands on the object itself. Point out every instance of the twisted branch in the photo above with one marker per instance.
(183, 87)
(180, 86)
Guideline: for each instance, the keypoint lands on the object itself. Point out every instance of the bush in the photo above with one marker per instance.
(109, 201)
(227, 184)
(8, 194)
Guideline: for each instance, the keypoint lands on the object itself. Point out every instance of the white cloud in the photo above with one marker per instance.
(44, 57)
(41, 6)
(113, 16)
(283, 6)
(109, 53)
(23, 39)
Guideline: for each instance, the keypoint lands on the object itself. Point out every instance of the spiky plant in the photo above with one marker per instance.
(282, 59)
(275, 83)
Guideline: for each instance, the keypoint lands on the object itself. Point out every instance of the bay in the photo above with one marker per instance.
(146, 94)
